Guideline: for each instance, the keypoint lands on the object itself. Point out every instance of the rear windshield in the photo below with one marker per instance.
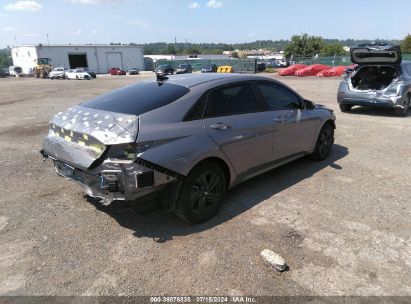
(138, 98)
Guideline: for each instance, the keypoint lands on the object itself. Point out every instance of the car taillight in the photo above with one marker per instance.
(129, 151)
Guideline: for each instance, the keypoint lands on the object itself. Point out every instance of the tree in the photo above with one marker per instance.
(169, 50)
(406, 44)
(304, 46)
(5, 58)
(333, 49)
(192, 50)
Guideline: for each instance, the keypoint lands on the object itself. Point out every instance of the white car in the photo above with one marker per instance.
(77, 74)
(15, 71)
(57, 73)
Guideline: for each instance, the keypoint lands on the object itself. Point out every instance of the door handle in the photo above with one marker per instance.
(219, 126)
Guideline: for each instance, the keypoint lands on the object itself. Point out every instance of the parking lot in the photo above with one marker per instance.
(342, 225)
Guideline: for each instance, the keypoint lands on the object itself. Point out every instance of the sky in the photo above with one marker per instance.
(226, 21)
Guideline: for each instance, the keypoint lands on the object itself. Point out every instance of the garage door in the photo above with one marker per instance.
(77, 61)
(114, 60)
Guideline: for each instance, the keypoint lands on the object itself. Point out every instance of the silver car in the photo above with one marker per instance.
(380, 79)
(192, 137)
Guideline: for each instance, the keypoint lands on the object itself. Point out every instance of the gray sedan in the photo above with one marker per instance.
(187, 138)
(381, 79)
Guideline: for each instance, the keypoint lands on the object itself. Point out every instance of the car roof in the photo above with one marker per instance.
(196, 79)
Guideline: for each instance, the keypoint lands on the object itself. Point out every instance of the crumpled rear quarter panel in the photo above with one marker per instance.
(80, 135)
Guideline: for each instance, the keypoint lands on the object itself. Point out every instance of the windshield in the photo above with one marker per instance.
(138, 98)
(59, 69)
(43, 60)
(163, 66)
(182, 66)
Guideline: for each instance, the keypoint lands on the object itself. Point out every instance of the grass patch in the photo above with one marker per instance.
(270, 70)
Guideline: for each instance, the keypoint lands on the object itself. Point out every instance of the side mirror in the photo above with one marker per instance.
(308, 104)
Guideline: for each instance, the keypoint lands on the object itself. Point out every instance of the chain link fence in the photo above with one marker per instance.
(331, 61)
(334, 61)
(239, 65)
(250, 65)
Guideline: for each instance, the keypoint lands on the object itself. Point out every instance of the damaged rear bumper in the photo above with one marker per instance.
(392, 97)
(113, 180)
(385, 103)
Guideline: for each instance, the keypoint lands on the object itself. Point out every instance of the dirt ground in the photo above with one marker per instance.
(342, 225)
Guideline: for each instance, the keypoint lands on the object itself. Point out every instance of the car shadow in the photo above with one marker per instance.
(375, 111)
(162, 226)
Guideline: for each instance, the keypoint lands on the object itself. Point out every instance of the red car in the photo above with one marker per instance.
(116, 71)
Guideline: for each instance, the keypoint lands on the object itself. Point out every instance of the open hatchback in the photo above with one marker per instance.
(380, 78)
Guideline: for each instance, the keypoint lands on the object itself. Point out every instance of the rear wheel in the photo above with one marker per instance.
(403, 111)
(345, 108)
(202, 193)
(324, 143)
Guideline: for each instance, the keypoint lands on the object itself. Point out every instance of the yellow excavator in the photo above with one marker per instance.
(42, 68)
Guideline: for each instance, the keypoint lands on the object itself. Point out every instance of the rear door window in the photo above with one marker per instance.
(278, 97)
(233, 99)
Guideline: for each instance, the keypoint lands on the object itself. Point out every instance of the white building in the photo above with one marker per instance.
(99, 58)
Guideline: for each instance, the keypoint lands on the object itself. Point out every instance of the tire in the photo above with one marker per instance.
(345, 108)
(77, 78)
(404, 111)
(201, 193)
(324, 142)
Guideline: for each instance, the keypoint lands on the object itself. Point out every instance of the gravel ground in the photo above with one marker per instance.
(342, 225)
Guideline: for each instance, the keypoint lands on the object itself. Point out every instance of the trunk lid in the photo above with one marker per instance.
(376, 54)
(81, 135)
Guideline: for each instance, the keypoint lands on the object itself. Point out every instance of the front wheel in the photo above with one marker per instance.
(202, 193)
(324, 143)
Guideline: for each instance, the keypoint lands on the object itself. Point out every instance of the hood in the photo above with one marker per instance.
(80, 135)
(376, 54)
(320, 106)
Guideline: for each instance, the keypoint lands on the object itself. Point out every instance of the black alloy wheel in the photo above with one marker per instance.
(324, 143)
(407, 104)
(202, 193)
